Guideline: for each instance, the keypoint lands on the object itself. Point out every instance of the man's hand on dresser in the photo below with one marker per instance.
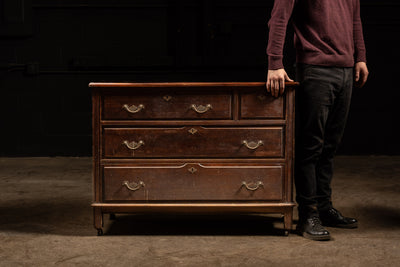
(276, 82)
(360, 74)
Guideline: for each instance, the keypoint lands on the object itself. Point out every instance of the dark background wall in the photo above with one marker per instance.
(51, 49)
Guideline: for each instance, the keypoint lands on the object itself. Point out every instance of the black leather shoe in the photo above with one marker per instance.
(311, 228)
(333, 218)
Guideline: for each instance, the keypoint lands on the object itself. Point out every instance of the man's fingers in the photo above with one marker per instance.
(364, 78)
(360, 74)
(361, 77)
(276, 88)
(357, 76)
(287, 78)
(282, 86)
(271, 87)
(276, 82)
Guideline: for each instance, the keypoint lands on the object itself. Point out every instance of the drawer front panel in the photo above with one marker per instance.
(194, 142)
(193, 182)
(168, 105)
(261, 105)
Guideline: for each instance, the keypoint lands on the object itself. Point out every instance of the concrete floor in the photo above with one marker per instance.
(46, 219)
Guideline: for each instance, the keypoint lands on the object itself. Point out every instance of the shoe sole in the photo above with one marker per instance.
(316, 238)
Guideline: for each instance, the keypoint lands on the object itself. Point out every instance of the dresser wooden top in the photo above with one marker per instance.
(186, 84)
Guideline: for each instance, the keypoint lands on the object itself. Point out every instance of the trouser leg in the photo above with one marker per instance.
(316, 115)
(334, 129)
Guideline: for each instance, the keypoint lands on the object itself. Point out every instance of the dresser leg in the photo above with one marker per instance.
(98, 220)
(287, 222)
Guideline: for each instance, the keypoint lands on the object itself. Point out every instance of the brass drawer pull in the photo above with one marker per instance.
(253, 186)
(133, 145)
(200, 108)
(133, 186)
(133, 108)
(253, 145)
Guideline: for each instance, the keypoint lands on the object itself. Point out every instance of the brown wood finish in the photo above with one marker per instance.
(193, 182)
(192, 161)
(256, 104)
(205, 142)
(167, 105)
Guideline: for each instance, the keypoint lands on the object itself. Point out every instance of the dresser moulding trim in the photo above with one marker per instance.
(175, 166)
(96, 148)
(186, 84)
(247, 208)
(224, 161)
(290, 142)
(188, 123)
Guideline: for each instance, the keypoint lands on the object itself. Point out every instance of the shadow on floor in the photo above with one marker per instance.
(75, 218)
(379, 217)
(61, 217)
(195, 225)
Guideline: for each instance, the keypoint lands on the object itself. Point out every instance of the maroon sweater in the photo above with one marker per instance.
(327, 32)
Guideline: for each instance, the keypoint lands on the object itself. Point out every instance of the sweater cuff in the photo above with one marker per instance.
(275, 62)
(361, 57)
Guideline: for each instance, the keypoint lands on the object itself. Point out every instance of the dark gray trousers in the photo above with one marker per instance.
(322, 105)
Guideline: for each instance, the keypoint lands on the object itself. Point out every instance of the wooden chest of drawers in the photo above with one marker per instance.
(192, 147)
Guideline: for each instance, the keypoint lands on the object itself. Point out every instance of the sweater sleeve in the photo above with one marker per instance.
(359, 45)
(277, 25)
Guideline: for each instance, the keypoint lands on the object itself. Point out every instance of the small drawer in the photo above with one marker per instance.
(194, 142)
(168, 105)
(258, 104)
(193, 182)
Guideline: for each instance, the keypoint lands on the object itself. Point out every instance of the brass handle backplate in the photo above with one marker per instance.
(133, 108)
(200, 108)
(193, 131)
(167, 98)
(253, 145)
(133, 186)
(133, 145)
(262, 97)
(192, 170)
(253, 186)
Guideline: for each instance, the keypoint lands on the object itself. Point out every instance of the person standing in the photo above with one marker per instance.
(330, 59)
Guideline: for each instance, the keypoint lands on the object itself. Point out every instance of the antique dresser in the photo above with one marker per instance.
(192, 148)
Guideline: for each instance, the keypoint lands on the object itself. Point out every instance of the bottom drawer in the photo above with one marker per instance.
(193, 182)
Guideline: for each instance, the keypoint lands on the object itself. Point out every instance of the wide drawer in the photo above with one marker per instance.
(193, 142)
(258, 104)
(168, 105)
(193, 182)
